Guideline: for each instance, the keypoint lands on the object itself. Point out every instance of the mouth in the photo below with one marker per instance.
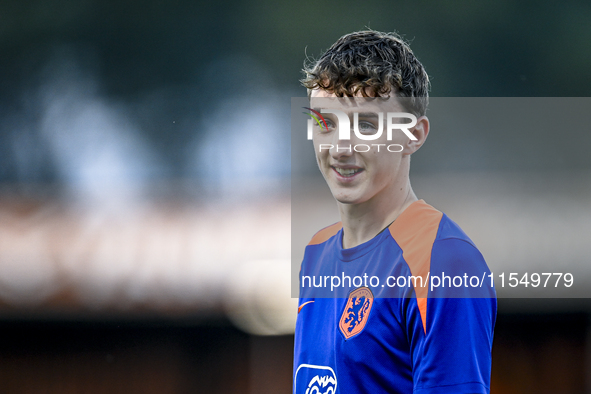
(347, 172)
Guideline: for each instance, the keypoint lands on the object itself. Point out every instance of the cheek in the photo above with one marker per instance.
(321, 141)
(316, 145)
(321, 155)
(386, 164)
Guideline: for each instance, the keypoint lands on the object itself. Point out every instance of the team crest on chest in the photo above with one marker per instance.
(356, 312)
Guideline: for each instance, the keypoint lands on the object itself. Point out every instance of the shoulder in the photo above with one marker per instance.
(421, 225)
(458, 265)
(453, 249)
(432, 242)
(321, 244)
(325, 234)
(448, 229)
(415, 229)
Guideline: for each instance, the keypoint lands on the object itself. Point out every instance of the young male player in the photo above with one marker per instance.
(387, 328)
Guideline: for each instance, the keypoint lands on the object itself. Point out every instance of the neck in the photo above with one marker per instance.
(363, 221)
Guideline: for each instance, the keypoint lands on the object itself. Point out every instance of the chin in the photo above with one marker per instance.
(347, 202)
(346, 199)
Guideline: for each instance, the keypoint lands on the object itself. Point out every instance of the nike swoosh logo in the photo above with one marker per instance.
(303, 305)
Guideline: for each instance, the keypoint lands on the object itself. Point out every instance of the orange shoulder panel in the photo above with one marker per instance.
(415, 231)
(324, 234)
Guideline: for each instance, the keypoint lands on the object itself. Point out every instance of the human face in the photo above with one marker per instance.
(354, 175)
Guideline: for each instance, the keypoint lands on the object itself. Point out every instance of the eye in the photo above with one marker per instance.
(329, 123)
(366, 127)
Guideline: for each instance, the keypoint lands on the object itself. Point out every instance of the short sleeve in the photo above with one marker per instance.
(451, 353)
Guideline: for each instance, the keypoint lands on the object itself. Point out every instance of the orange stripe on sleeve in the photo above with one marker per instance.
(324, 234)
(415, 231)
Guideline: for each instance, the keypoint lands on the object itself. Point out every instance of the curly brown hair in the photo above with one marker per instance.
(372, 64)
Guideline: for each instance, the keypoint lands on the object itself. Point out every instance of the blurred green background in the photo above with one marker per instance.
(166, 65)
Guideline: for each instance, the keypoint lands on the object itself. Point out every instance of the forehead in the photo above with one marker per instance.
(321, 99)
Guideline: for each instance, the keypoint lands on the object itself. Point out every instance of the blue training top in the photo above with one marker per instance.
(413, 312)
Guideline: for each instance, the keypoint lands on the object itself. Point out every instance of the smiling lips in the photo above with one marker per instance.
(347, 172)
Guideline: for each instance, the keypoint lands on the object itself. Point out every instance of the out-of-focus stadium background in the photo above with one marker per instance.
(145, 236)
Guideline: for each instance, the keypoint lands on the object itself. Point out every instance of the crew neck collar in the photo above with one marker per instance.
(356, 252)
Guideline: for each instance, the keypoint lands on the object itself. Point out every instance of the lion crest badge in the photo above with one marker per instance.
(356, 312)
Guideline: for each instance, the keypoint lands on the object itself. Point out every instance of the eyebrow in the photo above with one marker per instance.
(368, 115)
(361, 114)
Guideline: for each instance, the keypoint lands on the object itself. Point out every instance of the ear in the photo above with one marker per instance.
(420, 131)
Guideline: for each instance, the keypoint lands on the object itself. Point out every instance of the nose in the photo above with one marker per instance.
(341, 149)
